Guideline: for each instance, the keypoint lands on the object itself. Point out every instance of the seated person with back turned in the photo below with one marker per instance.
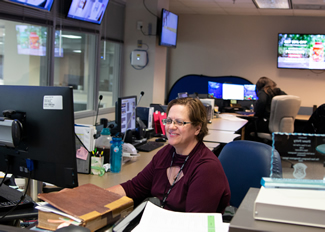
(184, 175)
(266, 89)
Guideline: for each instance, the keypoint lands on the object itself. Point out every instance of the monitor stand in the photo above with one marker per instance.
(35, 187)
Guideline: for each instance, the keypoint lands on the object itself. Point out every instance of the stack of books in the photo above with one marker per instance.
(87, 205)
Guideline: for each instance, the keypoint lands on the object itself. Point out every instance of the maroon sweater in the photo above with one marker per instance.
(203, 188)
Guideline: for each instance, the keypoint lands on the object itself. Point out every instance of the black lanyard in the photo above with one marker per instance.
(171, 163)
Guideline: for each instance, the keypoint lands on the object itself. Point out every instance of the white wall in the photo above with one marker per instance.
(152, 78)
(244, 46)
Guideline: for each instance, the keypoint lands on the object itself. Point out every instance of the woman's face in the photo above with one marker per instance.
(183, 138)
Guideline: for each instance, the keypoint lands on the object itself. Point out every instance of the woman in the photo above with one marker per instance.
(266, 89)
(185, 175)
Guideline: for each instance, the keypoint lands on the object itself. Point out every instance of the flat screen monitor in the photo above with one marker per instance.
(31, 40)
(37, 4)
(182, 95)
(214, 89)
(301, 51)
(47, 137)
(88, 10)
(232, 92)
(249, 92)
(168, 29)
(126, 117)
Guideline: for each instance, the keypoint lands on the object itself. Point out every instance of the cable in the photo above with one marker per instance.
(320, 72)
(148, 9)
(21, 199)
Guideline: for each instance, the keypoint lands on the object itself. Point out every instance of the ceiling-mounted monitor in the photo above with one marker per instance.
(88, 10)
(168, 29)
(301, 51)
(36, 4)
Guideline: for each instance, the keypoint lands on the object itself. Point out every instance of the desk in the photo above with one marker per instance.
(227, 122)
(222, 129)
(128, 171)
(243, 220)
(302, 117)
(216, 136)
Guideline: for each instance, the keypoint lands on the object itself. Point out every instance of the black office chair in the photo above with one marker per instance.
(316, 122)
(245, 163)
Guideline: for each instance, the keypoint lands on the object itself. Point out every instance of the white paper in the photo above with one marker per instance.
(49, 208)
(86, 135)
(157, 219)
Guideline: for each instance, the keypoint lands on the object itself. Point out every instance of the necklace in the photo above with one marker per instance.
(179, 172)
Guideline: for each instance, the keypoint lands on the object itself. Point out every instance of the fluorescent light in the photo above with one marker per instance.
(71, 36)
(273, 4)
(77, 51)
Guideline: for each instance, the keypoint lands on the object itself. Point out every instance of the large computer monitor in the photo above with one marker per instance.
(37, 138)
(232, 91)
(125, 115)
(249, 92)
(214, 89)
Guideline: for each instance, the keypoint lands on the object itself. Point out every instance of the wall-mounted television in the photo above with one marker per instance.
(88, 10)
(36, 4)
(168, 29)
(301, 51)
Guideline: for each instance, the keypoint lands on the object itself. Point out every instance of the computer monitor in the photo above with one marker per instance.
(37, 138)
(232, 91)
(182, 95)
(249, 92)
(214, 90)
(125, 115)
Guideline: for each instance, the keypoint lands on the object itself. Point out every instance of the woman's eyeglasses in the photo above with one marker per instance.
(177, 122)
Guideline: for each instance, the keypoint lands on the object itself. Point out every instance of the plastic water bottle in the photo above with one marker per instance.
(251, 109)
(116, 154)
(103, 144)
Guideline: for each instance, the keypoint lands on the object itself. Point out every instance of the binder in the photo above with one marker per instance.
(294, 206)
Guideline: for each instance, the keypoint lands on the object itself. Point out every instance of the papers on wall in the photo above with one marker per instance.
(158, 219)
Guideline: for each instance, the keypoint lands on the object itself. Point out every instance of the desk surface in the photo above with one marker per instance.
(227, 122)
(243, 220)
(216, 136)
(128, 171)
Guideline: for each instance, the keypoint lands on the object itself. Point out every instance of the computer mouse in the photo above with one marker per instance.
(72, 228)
(162, 139)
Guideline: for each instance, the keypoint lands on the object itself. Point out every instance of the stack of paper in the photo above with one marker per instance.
(158, 219)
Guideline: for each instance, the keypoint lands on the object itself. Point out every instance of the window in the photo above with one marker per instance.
(109, 72)
(23, 54)
(75, 65)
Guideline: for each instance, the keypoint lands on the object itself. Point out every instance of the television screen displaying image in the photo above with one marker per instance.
(37, 4)
(31, 40)
(301, 51)
(249, 92)
(232, 92)
(168, 30)
(88, 10)
(214, 89)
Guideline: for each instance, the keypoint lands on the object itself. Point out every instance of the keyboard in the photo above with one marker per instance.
(244, 113)
(149, 146)
(9, 197)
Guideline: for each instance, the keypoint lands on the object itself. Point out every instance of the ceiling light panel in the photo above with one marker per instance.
(272, 4)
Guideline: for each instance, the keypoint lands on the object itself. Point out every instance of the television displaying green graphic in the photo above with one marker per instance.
(301, 51)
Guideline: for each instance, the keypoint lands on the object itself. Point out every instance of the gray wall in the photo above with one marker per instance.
(244, 46)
